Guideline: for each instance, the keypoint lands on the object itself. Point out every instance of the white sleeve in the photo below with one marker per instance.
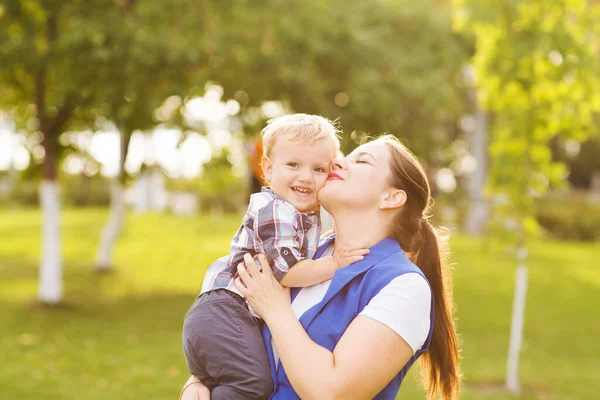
(404, 306)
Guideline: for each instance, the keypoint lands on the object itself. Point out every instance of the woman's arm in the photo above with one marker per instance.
(366, 358)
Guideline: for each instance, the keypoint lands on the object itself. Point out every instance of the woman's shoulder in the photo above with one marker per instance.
(409, 282)
(404, 305)
(397, 263)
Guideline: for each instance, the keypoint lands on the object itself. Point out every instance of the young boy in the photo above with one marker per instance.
(222, 337)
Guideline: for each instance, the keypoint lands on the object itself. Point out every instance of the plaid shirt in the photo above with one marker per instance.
(274, 227)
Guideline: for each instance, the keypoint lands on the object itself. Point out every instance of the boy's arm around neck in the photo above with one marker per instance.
(309, 272)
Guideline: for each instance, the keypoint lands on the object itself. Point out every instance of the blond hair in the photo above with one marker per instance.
(298, 127)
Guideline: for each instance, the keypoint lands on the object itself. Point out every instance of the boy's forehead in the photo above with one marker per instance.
(285, 144)
(319, 151)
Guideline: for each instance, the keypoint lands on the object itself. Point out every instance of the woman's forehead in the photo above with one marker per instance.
(374, 148)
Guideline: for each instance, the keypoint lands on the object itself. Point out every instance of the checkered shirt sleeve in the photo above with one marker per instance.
(278, 236)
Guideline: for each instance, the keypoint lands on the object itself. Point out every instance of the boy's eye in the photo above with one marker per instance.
(293, 164)
(320, 169)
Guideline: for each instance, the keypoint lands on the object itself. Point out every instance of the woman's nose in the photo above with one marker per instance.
(338, 163)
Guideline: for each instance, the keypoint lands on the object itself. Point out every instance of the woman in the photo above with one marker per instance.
(357, 335)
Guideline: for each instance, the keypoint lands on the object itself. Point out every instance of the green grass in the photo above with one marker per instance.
(118, 335)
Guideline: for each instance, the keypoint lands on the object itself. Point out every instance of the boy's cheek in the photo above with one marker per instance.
(320, 183)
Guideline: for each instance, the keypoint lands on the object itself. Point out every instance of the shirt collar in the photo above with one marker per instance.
(267, 189)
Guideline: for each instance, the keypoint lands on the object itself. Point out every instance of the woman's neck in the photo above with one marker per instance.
(364, 226)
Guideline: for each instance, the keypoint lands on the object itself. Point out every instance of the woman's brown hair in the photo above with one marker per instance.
(424, 247)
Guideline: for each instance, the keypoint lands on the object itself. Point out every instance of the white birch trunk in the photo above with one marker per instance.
(478, 213)
(50, 278)
(12, 178)
(516, 329)
(217, 211)
(143, 193)
(112, 229)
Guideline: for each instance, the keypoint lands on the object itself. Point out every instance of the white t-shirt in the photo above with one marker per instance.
(404, 305)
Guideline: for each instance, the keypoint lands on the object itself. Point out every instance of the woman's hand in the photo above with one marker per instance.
(266, 296)
(194, 390)
(349, 253)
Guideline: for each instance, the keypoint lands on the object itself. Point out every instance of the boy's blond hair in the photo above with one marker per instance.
(298, 127)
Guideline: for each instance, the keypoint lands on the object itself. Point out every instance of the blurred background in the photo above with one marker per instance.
(129, 144)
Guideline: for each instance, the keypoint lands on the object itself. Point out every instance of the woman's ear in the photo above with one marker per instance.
(393, 199)
(267, 168)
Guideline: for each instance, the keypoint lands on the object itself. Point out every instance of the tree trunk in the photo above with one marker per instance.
(142, 191)
(112, 228)
(478, 213)
(50, 283)
(50, 279)
(516, 328)
(12, 178)
(217, 211)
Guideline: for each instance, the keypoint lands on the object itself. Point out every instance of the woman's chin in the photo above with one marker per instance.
(326, 196)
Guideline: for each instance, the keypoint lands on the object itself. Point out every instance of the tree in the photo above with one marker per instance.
(151, 61)
(537, 70)
(65, 64)
(355, 68)
(218, 185)
(119, 61)
(478, 213)
(49, 48)
(379, 66)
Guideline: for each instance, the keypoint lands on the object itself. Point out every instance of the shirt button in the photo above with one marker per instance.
(285, 252)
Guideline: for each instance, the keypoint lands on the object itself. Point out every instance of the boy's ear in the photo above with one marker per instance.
(267, 168)
(393, 199)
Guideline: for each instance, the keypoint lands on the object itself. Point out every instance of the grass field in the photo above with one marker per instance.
(118, 335)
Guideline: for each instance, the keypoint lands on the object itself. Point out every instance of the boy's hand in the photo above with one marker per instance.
(345, 254)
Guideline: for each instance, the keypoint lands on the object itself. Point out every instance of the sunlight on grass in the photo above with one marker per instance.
(118, 335)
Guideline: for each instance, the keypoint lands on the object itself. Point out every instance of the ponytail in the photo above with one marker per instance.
(440, 368)
(422, 244)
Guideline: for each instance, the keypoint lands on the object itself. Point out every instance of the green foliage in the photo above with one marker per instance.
(537, 68)
(378, 66)
(218, 187)
(583, 164)
(25, 193)
(569, 216)
(75, 190)
(68, 67)
(85, 191)
(50, 57)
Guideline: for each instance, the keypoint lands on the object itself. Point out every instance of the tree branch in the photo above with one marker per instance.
(40, 76)
(125, 139)
(62, 117)
(40, 95)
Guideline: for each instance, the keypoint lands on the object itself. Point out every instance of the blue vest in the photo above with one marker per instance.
(350, 291)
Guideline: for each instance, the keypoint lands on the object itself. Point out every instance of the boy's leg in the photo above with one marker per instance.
(226, 342)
